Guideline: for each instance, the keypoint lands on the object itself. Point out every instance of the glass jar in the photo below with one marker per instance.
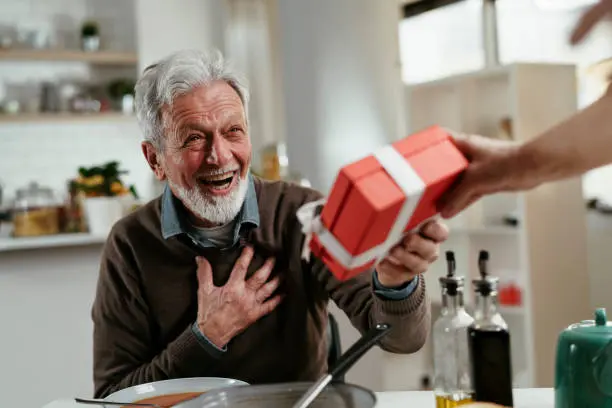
(274, 162)
(36, 212)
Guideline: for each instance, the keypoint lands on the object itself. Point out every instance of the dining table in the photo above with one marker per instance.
(523, 398)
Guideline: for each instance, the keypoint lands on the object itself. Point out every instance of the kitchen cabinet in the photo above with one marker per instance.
(545, 254)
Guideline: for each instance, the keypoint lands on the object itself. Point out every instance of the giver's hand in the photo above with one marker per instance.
(413, 255)
(589, 20)
(494, 166)
(224, 312)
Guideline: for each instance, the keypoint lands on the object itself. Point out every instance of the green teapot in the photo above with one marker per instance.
(583, 372)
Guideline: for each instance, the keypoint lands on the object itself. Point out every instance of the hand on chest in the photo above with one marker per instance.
(234, 262)
(234, 291)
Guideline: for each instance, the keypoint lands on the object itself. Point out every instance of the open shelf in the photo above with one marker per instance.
(116, 58)
(64, 117)
(538, 250)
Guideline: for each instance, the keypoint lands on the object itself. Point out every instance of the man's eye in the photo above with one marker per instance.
(193, 138)
(235, 129)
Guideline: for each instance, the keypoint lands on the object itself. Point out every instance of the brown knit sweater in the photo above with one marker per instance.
(146, 303)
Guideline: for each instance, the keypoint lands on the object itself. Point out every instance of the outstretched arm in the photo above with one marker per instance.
(571, 148)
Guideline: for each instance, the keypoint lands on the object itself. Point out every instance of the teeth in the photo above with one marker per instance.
(221, 186)
(217, 177)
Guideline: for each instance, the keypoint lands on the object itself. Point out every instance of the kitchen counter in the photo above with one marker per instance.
(47, 285)
(524, 398)
(49, 241)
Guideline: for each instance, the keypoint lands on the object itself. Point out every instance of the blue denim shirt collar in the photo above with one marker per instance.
(172, 222)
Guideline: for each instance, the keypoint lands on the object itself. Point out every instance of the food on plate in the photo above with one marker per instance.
(169, 400)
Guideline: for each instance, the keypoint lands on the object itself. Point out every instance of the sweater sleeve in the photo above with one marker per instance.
(125, 352)
(409, 316)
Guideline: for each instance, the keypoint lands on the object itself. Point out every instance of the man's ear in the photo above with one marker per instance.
(154, 159)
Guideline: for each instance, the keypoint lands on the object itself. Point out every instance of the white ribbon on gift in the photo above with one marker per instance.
(408, 181)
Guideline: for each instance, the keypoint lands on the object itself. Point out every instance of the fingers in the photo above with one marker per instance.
(260, 276)
(242, 265)
(417, 245)
(268, 306)
(466, 191)
(410, 261)
(267, 289)
(588, 20)
(458, 200)
(465, 146)
(474, 146)
(435, 231)
(204, 272)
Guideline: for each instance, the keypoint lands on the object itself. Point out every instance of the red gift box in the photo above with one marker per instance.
(376, 200)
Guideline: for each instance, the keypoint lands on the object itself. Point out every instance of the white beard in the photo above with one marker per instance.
(214, 209)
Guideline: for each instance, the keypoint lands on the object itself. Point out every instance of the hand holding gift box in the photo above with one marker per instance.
(376, 200)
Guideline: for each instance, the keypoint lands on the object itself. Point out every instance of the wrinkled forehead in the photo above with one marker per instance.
(207, 106)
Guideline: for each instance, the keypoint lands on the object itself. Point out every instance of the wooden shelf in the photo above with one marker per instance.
(63, 117)
(50, 241)
(98, 58)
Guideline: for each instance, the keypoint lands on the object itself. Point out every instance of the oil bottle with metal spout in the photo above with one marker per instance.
(452, 383)
(489, 343)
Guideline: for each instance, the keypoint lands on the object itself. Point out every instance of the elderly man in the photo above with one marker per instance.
(207, 280)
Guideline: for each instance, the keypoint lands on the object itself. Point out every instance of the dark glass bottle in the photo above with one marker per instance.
(489, 343)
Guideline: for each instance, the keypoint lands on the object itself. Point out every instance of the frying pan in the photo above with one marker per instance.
(334, 394)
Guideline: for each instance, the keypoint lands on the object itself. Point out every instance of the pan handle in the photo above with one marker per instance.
(358, 349)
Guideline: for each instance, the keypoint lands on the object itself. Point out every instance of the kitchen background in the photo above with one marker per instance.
(321, 72)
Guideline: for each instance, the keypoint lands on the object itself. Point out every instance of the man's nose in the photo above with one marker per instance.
(219, 152)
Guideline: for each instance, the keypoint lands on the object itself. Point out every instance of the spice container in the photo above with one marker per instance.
(452, 386)
(36, 212)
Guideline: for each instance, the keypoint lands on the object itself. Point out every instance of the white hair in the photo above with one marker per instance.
(175, 75)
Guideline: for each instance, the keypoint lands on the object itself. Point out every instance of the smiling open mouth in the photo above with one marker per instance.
(218, 181)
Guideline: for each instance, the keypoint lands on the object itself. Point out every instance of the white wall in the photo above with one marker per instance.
(342, 94)
(167, 26)
(341, 82)
(51, 153)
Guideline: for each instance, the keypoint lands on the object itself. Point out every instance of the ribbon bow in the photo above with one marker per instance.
(311, 224)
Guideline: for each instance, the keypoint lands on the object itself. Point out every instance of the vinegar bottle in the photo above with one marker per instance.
(489, 343)
(452, 386)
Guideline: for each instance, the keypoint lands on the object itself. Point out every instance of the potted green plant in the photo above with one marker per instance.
(90, 36)
(121, 92)
(105, 196)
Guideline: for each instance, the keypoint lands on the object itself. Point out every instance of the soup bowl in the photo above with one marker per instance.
(171, 392)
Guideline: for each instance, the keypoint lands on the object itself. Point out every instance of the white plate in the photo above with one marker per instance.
(174, 386)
